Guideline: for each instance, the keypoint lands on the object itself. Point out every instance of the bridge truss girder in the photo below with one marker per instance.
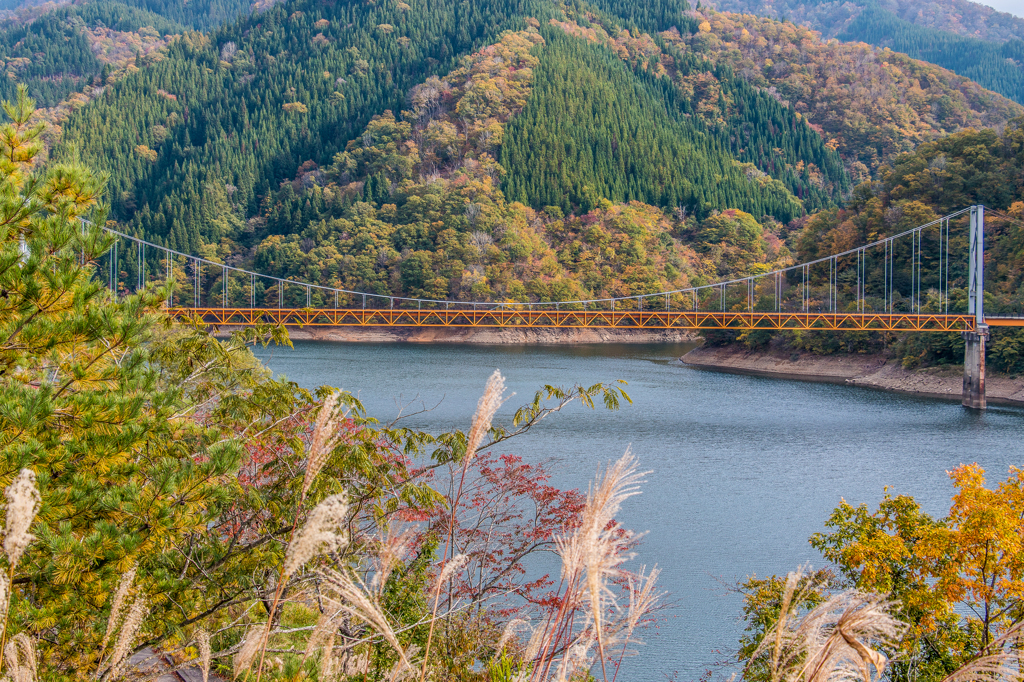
(580, 319)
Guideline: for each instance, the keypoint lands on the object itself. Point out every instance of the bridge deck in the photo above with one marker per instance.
(1004, 321)
(571, 319)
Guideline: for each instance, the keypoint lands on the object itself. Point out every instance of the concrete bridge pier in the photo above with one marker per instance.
(974, 368)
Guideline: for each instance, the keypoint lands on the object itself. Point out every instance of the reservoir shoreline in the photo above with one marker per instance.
(870, 371)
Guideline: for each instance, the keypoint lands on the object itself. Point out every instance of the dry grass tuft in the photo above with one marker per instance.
(322, 531)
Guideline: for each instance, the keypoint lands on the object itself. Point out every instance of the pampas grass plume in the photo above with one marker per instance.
(20, 654)
(490, 401)
(834, 636)
(355, 600)
(393, 550)
(126, 637)
(1004, 663)
(453, 566)
(205, 652)
(323, 632)
(23, 502)
(510, 631)
(834, 640)
(322, 530)
(325, 437)
(118, 605)
(247, 652)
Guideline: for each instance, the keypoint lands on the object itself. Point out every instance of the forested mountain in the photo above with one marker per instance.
(870, 103)
(994, 65)
(413, 206)
(753, 125)
(831, 17)
(592, 130)
(60, 52)
(967, 38)
(201, 15)
(248, 105)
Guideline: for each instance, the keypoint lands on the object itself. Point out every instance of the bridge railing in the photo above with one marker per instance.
(919, 270)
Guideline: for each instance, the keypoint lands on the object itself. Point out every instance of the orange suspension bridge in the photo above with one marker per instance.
(900, 284)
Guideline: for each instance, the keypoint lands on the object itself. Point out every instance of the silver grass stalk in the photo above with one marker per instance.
(600, 545)
(591, 557)
(323, 531)
(117, 606)
(782, 635)
(837, 640)
(328, 664)
(533, 645)
(205, 652)
(126, 637)
(486, 408)
(576, 658)
(5, 600)
(402, 669)
(836, 636)
(355, 600)
(642, 600)
(247, 652)
(326, 434)
(23, 502)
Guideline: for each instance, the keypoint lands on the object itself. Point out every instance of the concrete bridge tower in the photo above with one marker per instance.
(974, 350)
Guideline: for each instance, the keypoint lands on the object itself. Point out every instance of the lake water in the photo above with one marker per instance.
(744, 469)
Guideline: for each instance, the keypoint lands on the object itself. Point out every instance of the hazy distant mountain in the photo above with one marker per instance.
(970, 39)
(832, 17)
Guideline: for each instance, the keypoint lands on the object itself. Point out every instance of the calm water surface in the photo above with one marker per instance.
(744, 469)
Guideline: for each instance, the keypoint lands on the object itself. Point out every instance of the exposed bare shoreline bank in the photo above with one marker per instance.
(872, 371)
(485, 335)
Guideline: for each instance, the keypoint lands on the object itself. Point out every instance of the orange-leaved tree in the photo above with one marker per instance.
(959, 580)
